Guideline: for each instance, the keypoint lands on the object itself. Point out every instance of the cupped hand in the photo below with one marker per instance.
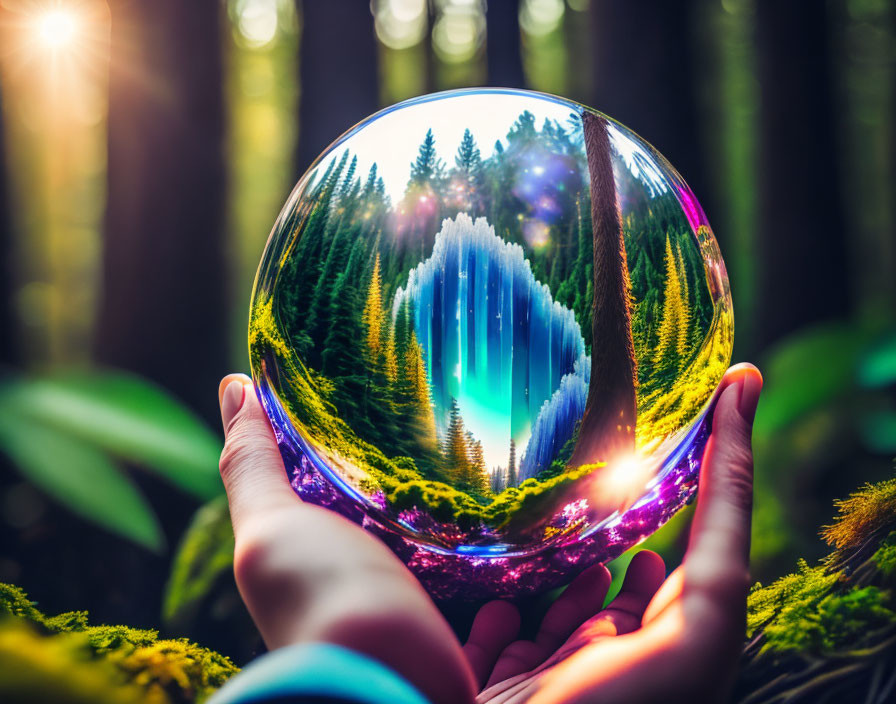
(307, 574)
(658, 641)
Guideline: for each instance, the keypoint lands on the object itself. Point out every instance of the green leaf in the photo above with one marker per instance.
(806, 371)
(82, 479)
(205, 553)
(127, 417)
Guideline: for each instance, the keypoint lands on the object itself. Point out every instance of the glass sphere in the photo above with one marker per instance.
(487, 326)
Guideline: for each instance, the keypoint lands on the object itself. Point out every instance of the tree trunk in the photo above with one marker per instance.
(644, 76)
(338, 72)
(164, 308)
(503, 45)
(607, 429)
(8, 318)
(803, 265)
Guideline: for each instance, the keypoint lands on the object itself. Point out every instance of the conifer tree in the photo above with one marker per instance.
(370, 184)
(373, 317)
(673, 319)
(422, 399)
(468, 158)
(348, 181)
(306, 258)
(390, 361)
(456, 457)
(344, 346)
(684, 321)
(477, 479)
(497, 480)
(428, 168)
(511, 465)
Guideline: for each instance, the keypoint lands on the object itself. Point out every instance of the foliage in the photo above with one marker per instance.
(34, 668)
(830, 628)
(65, 654)
(811, 611)
(204, 554)
(68, 432)
(862, 515)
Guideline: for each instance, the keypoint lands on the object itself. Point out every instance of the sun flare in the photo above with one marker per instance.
(57, 29)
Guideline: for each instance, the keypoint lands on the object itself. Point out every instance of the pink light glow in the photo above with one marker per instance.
(691, 207)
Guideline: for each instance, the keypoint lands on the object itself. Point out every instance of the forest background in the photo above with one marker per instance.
(147, 148)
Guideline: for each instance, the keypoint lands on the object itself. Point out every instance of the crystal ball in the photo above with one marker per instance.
(487, 326)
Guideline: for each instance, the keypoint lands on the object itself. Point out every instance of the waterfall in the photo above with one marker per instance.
(493, 337)
(557, 420)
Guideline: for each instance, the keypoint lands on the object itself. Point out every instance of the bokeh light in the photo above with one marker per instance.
(400, 24)
(256, 21)
(540, 17)
(459, 30)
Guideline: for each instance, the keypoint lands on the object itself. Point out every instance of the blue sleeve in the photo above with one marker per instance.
(317, 672)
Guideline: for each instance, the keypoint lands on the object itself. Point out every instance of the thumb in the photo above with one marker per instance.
(251, 466)
(720, 536)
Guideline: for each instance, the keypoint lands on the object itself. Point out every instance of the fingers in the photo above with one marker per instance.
(719, 547)
(583, 598)
(251, 466)
(642, 580)
(668, 593)
(494, 628)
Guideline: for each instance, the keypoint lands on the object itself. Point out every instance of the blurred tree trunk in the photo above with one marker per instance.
(607, 430)
(8, 319)
(338, 77)
(643, 68)
(503, 44)
(164, 307)
(801, 245)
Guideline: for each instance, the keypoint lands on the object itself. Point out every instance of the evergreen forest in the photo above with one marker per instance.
(362, 368)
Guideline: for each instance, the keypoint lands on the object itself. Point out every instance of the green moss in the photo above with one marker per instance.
(843, 601)
(865, 512)
(813, 611)
(61, 669)
(162, 670)
(884, 557)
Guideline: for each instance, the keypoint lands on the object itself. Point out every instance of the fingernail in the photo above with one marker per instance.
(232, 401)
(750, 388)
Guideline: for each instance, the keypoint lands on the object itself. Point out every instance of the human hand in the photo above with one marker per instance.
(343, 586)
(307, 574)
(677, 640)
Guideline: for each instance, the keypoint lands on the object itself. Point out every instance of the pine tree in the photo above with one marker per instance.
(673, 319)
(373, 318)
(469, 174)
(684, 321)
(468, 158)
(390, 361)
(456, 457)
(511, 465)
(348, 181)
(344, 345)
(370, 183)
(497, 481)
(303, 267)
(428, 169)
(422, 400)
(477, 479)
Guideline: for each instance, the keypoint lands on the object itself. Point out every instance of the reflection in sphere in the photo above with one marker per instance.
(487, 326)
